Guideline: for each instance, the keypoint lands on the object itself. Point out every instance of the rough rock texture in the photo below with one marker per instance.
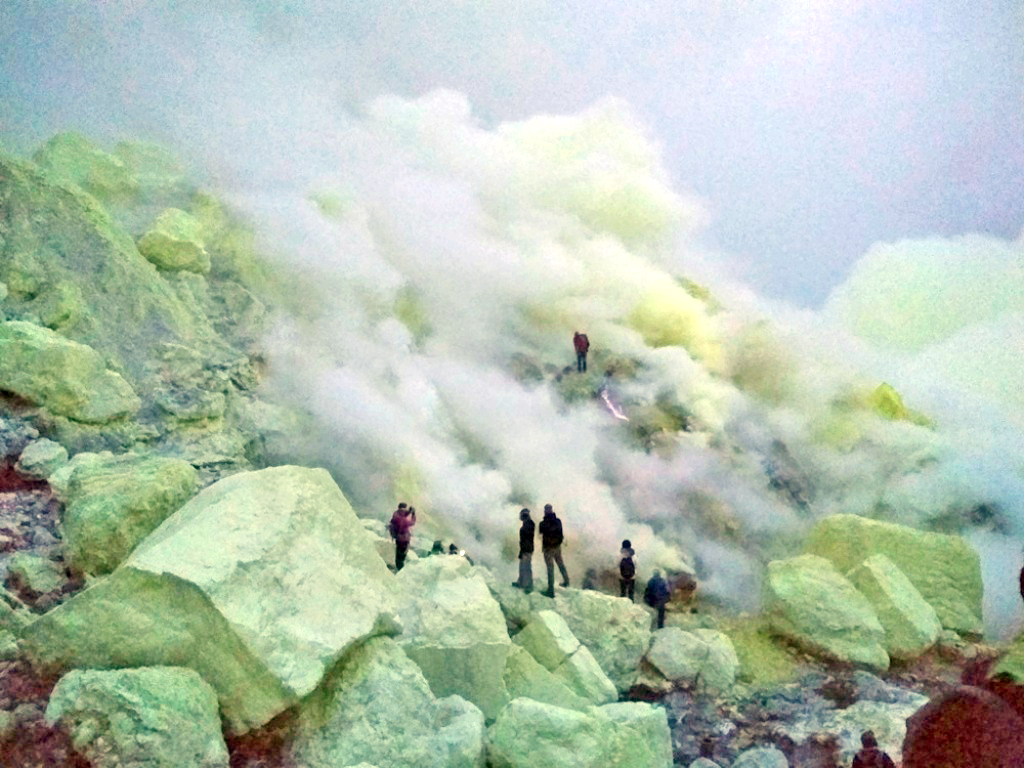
(70, 267)
(808, 601)
(376, 707)
(454, 630)
(526, 677)
(114, 502)
(761, 757)
(528, 734)
(66, 378)
(945, 570)
(138, 619)
(910, 623)
(174, 243)
(549, 640)
(260, 583)
(72, 159)
(41, 458)
(34, 573)
(153, 717)
(701, 657)
(1011, 664)
(616, 631)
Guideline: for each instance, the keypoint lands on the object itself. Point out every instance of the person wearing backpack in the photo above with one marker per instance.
(581, 343)
(656, 595)
(871, 756)
(550, 529)
(627, 571)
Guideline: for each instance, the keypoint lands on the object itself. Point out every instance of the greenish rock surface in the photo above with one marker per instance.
(138, 619)
(1012, 662)
(114, 502)
(283, 557)
(41, 458)
(67, 264)
(37, 574)
(8, 646)
(153, 717)
(528, 734)
(377, 708)
(761, 757)
(174, 243)
(14, 614)
(945, 569)
(63, 376)
(526, 677)
(70, 158)
(910, 623)
(810, 603)
(550, 641)
(455, 631)
(704, 658)
(616, 631)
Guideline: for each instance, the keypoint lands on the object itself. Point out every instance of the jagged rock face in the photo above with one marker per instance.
(260, 583)
(808, 601)
(174, 243)
(945, 570)
(114, 502)
(528, 733)
(455, 631)
(377, 707)
(41, 458)
(70, 268)
(154, 717)
(525, 677)
(910, 623)
(66, 378)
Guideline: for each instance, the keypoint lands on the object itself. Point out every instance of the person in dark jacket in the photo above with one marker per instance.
(871, 756)
(401, 525)
(526, 536)
(551, 545)
(581, 344)
(656, 595)
(627, 570)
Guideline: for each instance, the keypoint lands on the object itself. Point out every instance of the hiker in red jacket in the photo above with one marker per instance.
(401, 525)
(582, 344)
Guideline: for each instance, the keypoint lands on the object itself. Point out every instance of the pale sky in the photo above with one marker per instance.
(810, 129)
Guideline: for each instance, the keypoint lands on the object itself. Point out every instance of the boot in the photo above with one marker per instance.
(549, 592)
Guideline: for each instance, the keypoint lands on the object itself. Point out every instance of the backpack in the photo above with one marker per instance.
(627, 568)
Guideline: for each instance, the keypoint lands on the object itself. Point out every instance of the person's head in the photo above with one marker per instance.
(867, 739)
(627, 544)
(656, 574)
(548, 510)
(524, 514)
(402, 505)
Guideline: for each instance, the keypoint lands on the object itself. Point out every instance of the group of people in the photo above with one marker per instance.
(551, 538)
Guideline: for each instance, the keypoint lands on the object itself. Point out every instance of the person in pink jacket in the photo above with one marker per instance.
(401, 525)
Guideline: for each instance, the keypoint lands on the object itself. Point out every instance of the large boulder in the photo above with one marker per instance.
(260, 583)
(910, 623)
(550, 641)
(761, 757)
(153, 717)
(809, 602)
(704, 658)
(111, 504)
(66, 378)
(70, 158)
(174, 243)
(41, 458)
(377, 708)
(616, 631)
(454, 630)
(528, 734)
(945, 570)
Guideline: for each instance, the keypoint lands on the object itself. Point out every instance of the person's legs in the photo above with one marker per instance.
(583, 357)
(561, 567)
(622, 587)
(401, 547)
(549, 561)
(526, 571)
(661, 617)
(631, 590)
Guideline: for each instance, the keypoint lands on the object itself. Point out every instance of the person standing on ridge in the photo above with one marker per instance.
(401, 525)
(871, 756)
(526, 534)
(627, 570)
(551, 545)
(582, 345)
(656, 595)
